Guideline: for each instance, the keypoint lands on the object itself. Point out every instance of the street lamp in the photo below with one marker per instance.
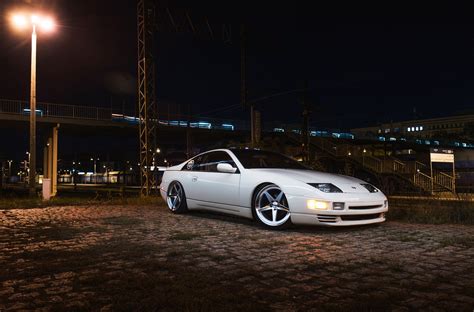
(22, 21)
(9, 168)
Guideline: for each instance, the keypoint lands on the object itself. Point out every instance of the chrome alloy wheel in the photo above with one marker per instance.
(175, 196)
(271, 206)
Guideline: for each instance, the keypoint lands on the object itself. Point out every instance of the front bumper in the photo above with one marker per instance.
(339, 219)
(357, 211)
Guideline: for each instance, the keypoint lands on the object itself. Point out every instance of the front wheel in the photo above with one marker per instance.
(270, 207)
(175, 198)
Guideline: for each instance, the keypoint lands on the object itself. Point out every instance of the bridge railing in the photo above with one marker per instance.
(44, 109)
(13, 107)
(55, 110)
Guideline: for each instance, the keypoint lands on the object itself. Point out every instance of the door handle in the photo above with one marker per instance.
(194, 179)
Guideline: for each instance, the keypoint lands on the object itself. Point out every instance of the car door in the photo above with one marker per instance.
(212, 188)
(189, 175)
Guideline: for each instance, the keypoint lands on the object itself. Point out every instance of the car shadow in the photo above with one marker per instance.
(306, 229)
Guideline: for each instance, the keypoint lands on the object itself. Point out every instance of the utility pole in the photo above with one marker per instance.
(188, 133)
(243, 83)
(305, 124)
(147, 108)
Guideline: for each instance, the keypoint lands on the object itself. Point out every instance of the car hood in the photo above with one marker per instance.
(345, 183)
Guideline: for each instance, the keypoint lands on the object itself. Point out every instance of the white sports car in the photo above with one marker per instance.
(271, 188)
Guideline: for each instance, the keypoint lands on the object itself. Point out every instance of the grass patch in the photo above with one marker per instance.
(184, 236)
(431, 211)
(20, 202)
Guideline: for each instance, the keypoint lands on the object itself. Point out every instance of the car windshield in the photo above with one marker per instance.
(263, 159)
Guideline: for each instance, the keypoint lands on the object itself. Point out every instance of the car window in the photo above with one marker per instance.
(264, 159)
(208, 162)
(215, 158)
(196, 164)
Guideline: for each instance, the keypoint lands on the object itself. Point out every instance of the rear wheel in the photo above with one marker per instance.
(270, 207)
(175, 198)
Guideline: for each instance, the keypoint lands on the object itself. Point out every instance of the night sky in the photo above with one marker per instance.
(365, 64)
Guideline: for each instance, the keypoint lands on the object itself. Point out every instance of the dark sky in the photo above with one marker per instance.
(365, 64)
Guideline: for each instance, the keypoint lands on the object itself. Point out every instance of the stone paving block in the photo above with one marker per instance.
(305, 268)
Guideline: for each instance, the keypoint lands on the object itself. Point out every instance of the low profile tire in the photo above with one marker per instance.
(270, 207)
(175, 198)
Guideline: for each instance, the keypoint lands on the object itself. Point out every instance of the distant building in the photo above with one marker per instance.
(461, 127)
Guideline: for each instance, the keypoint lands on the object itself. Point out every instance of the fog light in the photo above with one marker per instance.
(317, 205)
(338, 206)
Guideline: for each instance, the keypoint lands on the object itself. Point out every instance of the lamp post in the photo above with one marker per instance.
(27, 166)
(10, 168)
(23, 21)
(95, 164)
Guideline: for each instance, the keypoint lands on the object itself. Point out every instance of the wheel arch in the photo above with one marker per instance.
(255, 190)
(176, 181)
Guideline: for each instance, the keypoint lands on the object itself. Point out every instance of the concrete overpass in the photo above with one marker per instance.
(84, 120)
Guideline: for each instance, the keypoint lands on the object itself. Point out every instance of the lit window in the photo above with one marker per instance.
(421, 128)
(416, 128)
(412, 128)
(408, 129)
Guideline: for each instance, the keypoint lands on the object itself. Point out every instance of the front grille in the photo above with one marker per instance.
(366, 207)
(327, 219)
(361, 217)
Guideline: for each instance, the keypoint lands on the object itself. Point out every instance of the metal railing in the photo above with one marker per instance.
(444, 180)
(55, 110)
(372, 163)
(44, 109)
(420, 172)
(423, 181)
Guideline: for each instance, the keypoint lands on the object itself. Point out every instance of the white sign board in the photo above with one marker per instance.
(441, 157)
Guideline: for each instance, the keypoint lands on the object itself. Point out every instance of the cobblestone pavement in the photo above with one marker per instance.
(145, 258)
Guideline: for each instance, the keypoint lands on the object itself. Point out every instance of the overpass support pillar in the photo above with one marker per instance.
(50, 162)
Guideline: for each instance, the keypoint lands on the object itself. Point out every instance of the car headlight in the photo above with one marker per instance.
(317, 205)
(370, 187)
(326, 187)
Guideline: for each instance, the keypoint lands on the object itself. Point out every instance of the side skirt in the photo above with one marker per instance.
(245, 212)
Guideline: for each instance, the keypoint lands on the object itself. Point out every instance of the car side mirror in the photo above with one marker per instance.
(226, 168)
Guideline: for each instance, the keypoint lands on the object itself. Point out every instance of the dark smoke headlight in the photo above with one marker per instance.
(370, 187)
(326, 187)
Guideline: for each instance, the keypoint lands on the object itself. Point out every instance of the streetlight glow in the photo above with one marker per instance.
(22, 21)
(34, 19)
(47, 24)
(19, 21)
